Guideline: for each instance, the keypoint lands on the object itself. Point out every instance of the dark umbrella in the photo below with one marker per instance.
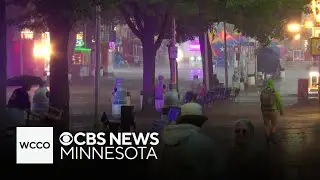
(24, 80)
(268, 60)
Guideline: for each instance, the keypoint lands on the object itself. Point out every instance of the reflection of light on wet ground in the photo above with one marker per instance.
(299, 136)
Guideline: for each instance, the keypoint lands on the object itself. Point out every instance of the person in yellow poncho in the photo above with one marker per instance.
(271, 106)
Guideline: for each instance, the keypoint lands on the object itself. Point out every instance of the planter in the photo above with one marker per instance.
(101, 72)
(128, 99)
(69, 76)
(242, 86)
(282, 74)
(235, 64)
(260, 75)
(172, 97)
(116, 110)
(251, 80)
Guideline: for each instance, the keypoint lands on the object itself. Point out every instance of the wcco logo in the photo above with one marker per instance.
(34, 145)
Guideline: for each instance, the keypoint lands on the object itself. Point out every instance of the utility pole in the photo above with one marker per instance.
(97, 65)
(206, 61)
(226, 76)
(173, 53)
(21, 54)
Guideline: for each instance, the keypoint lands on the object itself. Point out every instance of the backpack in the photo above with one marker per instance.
(173, 162)
(268, 97)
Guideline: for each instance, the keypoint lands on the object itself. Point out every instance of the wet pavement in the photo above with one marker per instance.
(295, 157)
(298, 153)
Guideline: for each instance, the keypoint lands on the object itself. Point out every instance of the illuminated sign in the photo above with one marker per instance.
(79, 40)
(26, 34)
(315, 46)
(194, 45)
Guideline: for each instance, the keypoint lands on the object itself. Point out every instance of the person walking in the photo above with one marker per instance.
(186, 153)
(271, 106)
(246, 159)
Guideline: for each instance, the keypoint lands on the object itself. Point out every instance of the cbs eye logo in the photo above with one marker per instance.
(66, 138)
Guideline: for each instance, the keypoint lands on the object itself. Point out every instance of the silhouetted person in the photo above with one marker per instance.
(215, 81)
(18, 104)
(245, 160)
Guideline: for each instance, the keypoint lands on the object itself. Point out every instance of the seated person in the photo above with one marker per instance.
(40, 100)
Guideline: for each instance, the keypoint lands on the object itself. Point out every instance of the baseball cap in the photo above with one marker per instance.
(191, 109)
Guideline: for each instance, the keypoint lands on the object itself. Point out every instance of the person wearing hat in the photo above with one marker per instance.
(185, 153)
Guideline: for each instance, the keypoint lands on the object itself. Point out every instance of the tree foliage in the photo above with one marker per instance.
(261, 19)
(58, 17)
(266, 19)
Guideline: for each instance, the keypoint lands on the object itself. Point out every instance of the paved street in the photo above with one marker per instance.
(299, 130)
(82, 96)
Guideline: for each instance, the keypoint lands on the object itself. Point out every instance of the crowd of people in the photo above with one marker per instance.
(186, 153)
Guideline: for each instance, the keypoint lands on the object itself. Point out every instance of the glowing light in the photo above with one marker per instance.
(180, 55)
(297, 37)
(315, 5)
(294, 27)
(313, 73)
(309, 24)
(41, 50)
(199, 58)
(82, 49)
(192, 58)
(26, 34)
(194, 47)
(79, 40)
(42, 47)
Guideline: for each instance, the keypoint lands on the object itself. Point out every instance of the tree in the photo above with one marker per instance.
(3, 58)
(266, 19)
(58, 17)
(146, 20)
(150, 21)
(204, 15)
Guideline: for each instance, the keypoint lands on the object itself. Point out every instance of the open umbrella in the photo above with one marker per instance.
(24, 80)
(268, 60)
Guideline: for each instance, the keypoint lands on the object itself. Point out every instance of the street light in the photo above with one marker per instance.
(294, 27)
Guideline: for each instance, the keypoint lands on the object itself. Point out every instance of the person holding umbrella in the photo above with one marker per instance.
(18, 104)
